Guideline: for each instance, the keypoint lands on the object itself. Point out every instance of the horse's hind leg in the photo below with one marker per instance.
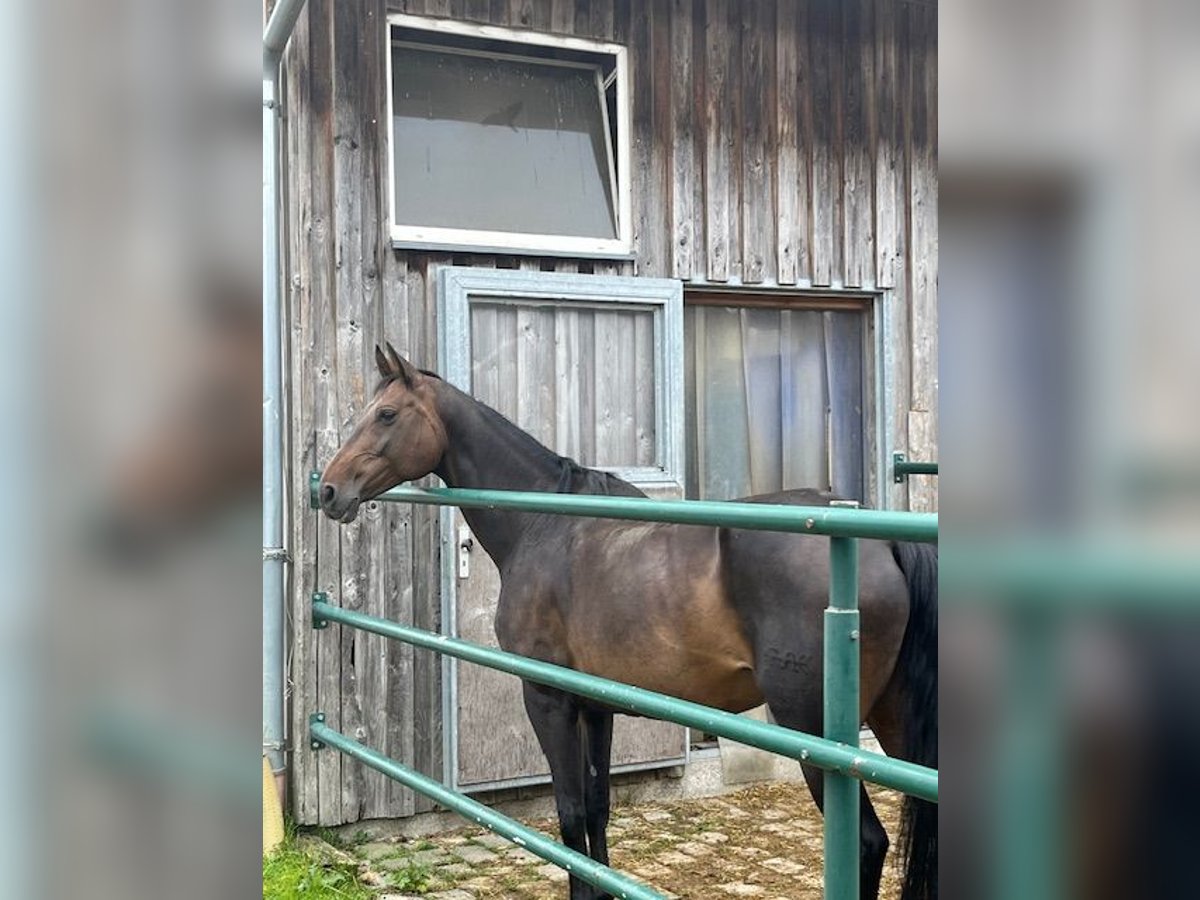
(874, 840)
(798, 707)
(555, 719)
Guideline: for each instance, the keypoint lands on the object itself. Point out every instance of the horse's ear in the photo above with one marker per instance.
(402, 368)
(386, 370)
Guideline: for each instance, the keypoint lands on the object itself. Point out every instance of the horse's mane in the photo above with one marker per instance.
(577, 479)
(573, 477)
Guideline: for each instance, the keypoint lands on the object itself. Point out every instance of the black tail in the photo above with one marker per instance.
(918, 666)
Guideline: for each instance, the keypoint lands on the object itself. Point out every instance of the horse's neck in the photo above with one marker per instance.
(485, 451)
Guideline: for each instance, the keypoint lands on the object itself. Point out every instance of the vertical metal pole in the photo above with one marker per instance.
(275, 37)
(1029, 779)
(25, 317)
(842, 719)
(273, 513)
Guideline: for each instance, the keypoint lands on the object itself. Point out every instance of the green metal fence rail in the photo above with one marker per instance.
(825, 754)
(534, 841)
(837, 753)
(902, 468)
(834, 521)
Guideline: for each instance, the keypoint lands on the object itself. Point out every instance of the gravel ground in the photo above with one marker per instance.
(764, 841)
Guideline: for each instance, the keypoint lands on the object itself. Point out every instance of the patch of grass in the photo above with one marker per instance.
(293, 873)
(412, 877)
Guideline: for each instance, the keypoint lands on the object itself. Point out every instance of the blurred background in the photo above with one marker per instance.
(1069, 214)
(1070, 409)
(132, 432)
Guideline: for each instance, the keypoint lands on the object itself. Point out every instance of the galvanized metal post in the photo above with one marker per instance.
(842, 719)
(275, 37)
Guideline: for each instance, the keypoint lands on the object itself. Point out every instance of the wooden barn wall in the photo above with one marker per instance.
(788, 144)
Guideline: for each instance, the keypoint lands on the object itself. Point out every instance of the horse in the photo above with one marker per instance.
(724, 617)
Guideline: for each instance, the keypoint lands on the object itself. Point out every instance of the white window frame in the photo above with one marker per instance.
(477, 240)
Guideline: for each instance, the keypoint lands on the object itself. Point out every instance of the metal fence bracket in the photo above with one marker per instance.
(317, 718)
(318, 620)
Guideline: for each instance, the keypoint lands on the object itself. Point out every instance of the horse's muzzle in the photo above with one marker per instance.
(342, 508)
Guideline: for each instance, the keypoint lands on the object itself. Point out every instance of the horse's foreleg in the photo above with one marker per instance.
(555, 719)
(597, 730)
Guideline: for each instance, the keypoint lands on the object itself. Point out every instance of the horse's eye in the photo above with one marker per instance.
(386, 416)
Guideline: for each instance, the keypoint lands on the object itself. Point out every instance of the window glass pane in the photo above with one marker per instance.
(580, 379)
(499, 144)
(774, 401)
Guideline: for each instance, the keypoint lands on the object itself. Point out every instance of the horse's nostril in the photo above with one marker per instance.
(328, 494)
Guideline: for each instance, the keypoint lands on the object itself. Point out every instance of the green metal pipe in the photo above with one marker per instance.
(1048, 572)
(828, 520)
(535, 842)
(902, 468)
(842, 721)
(919, 781)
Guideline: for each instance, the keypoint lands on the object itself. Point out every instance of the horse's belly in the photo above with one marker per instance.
(714, 668)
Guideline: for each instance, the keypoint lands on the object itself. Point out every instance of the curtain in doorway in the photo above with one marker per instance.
(775, 401)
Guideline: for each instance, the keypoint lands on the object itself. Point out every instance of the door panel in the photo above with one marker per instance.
(592, 367)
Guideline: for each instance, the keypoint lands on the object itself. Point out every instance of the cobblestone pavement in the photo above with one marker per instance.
(764, 842)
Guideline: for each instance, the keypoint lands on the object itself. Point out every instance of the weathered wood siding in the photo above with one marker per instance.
(776, 145)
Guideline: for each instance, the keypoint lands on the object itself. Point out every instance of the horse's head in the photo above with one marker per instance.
(399, 438)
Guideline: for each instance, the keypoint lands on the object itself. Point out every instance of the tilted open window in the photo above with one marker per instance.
(507, 140)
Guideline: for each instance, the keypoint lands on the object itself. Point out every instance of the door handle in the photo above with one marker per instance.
(465, 544)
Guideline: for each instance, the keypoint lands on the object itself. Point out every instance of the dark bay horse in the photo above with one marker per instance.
(727, 618)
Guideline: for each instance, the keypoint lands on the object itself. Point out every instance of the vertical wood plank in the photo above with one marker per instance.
(791, 194)
(485, 371)
(399, 698)
(734, 31)
(622, 380)
(583, 18)
(535, 390)
(858, 64)
(520, 13)
(602, 24)
(683, 137)
(326, 399)
(887, 145)
(351, 317)
(499, 13)
(371, 651)
(716, 140)
(562, 16)
(478, 10)
(662, 72)
(759, 148)
(902, 307)
(425, 719)
(924, 249)
(922, 443)
(642, 176)
(644, 407)
(608, 403)
(587, 388)
(567, 381)
(303, 669)
(507, 370)
(824, 180)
